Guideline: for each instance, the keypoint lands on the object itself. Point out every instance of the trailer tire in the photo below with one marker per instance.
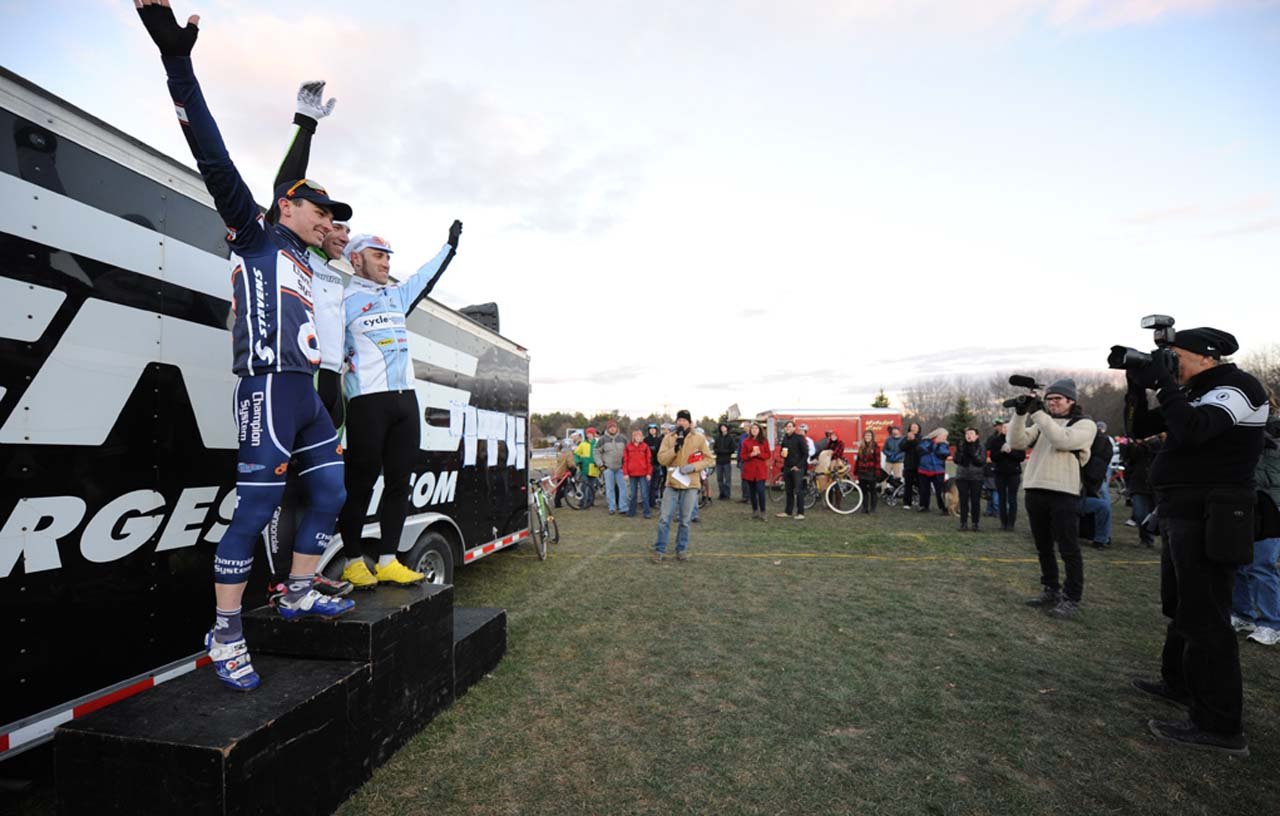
(432, 555)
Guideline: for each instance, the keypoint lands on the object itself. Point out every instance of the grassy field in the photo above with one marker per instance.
(869, 665)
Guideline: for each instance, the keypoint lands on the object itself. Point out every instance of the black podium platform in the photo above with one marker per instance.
(338, 697)
(192, 746)
(479, 642)
(405, 635)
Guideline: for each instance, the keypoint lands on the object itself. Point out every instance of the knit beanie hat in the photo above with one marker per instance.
(1065, 387)
(684, 414)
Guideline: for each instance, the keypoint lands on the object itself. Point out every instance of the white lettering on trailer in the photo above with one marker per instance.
(103, 352)
(122, 526)
(445, 487)
(188, 516)
(33, 529)
(26, 309)
(117, 529)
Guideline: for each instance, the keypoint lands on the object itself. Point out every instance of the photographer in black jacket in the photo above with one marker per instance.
(1214, 415)
(1008, 465)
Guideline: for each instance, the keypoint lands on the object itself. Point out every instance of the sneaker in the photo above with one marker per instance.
(799, 516)
(1190, 735)
(964, 528)
(1161, 691)
(231, 663)
(1241, 625)
(358, 575)
(313, 604)
(330, 587)
(782, 515)
(1130, 523)
(398, 574)
(657, 557)
(1047, 597)
(1265, 635)
(682, 555)
(1066, 608)
(922, 509)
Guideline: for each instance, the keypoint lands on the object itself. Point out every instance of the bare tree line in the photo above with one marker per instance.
(933, 401)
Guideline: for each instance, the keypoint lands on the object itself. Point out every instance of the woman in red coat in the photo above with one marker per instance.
(754, 454)
(637, 466)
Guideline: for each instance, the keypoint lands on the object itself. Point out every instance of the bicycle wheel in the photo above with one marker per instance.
(844, 497)
(554, 529)
(538, 530)
(777, 491)
(892, 498)
(1119, 491)
(573, 494)
(811, 496)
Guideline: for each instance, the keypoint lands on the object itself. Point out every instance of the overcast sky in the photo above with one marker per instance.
(691, 204)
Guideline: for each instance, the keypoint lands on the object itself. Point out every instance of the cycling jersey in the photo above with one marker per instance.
(327, 293)
(377, 342)
(271, 278)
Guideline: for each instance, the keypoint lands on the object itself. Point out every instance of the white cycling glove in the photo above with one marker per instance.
(310, 100)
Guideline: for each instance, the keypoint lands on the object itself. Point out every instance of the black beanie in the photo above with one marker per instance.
(684, 414)
(1206, 341)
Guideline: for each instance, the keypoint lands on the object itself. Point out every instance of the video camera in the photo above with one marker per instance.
(1130, 359)
(1022, 381)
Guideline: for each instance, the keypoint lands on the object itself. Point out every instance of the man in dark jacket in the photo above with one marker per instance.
(1214, 415)
(1008, 465)
(910, 448)
(654, 440)
(795, 465)
(726, 445)
(1137, 455)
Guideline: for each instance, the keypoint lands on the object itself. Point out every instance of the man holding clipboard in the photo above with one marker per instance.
(685, 455)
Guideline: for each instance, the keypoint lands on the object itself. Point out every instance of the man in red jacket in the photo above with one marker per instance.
(637, 466)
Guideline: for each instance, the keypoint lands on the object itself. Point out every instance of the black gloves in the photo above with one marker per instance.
(165, 33)
(1155, 374)
(1020, 405)
(1034, 404)
(455, 232)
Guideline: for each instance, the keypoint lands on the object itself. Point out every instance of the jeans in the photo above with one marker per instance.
(870, 493)
(1143, 504)
(938, 482)
(743, 483)
(970, 500)
(755, 492)
(1055, 519)
(1258, 586)
(675, 501)
(1200, 650)
(615, 480)
(1007, 493)
(1100, 508)
(795, 492)
(993, 498)
(724, 478)
(655, 482)
(910, 479)
(588, 490)
(638, 495)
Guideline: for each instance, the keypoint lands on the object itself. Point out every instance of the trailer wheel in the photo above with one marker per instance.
(433, 557)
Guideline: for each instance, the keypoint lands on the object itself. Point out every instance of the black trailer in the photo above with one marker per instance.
(117, 453)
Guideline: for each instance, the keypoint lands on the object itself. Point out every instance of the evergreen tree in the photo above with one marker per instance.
(960, 419)
(881, 401)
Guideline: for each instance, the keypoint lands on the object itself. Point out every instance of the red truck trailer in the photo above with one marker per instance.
(848, 423)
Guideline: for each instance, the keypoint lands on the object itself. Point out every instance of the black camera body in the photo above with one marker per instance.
(1130, 359)
(1021, 381)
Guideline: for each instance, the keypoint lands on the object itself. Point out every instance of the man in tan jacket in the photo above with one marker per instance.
(1059, 437)
(685, 455)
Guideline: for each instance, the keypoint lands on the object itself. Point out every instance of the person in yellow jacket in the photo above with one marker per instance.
(685, 455)
(585, 454)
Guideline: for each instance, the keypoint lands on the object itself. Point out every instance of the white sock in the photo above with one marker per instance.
(385, 560)
(351, 561)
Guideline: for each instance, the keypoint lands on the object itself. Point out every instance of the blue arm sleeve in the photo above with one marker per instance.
(231, 196)
(424, 280)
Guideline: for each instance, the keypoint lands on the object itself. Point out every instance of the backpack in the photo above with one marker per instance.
(1094, 472)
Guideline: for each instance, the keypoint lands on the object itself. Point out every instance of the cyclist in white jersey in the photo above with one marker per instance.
(383, 415)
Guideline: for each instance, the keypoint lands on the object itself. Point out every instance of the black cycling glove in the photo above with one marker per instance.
(172, 40)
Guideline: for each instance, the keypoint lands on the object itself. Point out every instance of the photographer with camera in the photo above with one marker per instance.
(1059, 437)
(1214, 415)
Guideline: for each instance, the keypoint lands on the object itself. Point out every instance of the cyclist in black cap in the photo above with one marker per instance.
(1215, 415)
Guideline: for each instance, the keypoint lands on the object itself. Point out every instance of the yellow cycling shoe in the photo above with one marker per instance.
(398, 574)
(357, 572)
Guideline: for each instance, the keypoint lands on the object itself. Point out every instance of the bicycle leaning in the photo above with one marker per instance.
(542, 525)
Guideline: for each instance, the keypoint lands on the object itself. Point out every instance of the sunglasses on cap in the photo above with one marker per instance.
(309, 184)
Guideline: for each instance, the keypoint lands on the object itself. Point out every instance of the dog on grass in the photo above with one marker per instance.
(951, 497)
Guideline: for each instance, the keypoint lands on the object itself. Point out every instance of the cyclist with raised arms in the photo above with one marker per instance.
(383, 417)
(277, 410)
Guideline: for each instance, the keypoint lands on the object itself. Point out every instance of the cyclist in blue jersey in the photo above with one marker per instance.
(383, 416)
(278, 413)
